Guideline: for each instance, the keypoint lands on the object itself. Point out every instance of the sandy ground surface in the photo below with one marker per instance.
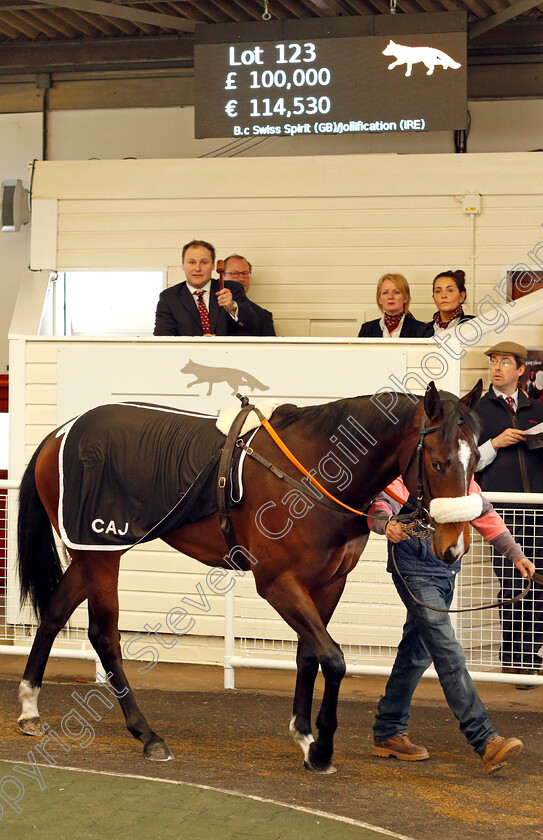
(238, 740)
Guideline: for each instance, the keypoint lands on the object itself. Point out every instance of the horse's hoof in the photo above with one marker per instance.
(31, 726)
(323, 771)
(158, 751)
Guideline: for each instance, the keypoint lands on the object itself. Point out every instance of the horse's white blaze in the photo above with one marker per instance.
(303, 741)
(464, 455)
(458, 550)
(28, 696)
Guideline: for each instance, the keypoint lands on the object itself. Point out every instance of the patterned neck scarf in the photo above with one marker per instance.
(458, 312)
(392, 321)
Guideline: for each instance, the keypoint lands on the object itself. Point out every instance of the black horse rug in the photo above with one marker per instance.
(131, 472)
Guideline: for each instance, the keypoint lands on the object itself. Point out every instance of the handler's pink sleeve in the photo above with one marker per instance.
(385, 505)
(398, 488)
(489, 524)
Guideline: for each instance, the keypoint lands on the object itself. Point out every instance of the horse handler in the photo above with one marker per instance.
(429, 636)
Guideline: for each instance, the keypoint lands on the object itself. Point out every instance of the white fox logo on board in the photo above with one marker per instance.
(430, 56)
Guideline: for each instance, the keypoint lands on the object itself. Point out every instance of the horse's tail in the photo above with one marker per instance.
(40, 569)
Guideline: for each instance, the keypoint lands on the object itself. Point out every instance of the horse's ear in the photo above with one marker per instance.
(432, 403)
(471, 399)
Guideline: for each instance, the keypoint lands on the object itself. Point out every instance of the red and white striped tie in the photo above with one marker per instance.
(510, 403)
(202, 309)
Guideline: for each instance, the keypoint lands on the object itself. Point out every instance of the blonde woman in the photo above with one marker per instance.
(393, 299)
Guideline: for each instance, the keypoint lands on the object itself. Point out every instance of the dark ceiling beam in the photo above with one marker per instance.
(42, 4)
(521, 33)
(491, 22)
(508, 81)
(8, 29)
(115, 10)
(53, 25)
(24, 24)
(98, 24)
(166, 51)
(330, 8)
(88, 26)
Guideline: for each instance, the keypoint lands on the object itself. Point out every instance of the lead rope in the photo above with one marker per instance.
(284, 448)
(523, 594)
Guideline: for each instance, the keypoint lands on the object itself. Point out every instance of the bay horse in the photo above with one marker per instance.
(304, 549)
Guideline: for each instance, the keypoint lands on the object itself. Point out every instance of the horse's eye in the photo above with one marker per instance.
(438, 466)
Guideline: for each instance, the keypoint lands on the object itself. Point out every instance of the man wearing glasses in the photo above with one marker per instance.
(239, 269)
(508, 464)
(198, 306)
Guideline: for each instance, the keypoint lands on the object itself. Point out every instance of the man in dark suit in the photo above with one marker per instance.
(198, 306)
(238, 268)
(511, 461)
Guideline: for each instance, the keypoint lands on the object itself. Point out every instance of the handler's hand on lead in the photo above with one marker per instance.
(224, 299)
(394, 532)
(525, 567)
(508, 437)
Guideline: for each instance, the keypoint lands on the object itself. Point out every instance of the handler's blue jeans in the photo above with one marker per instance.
(427, 636)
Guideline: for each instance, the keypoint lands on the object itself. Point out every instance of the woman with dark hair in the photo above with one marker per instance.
(449, 291)
(393, 299)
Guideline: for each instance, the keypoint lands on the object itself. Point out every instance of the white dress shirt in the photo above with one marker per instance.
(205, 297)
(205, 289)
(397, 331)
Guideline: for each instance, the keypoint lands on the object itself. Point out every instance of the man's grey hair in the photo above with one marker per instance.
(237, 257)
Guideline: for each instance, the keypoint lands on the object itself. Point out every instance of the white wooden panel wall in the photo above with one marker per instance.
(319, 231)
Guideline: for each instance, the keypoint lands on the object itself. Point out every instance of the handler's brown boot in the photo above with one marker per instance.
(400, 747)
(498, 751)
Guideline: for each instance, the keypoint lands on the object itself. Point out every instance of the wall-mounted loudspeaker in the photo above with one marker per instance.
(14, 210)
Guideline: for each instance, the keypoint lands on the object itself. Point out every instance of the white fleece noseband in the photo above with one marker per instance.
(457, 509)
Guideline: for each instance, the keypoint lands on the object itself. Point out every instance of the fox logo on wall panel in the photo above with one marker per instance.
(186, 376)
(429, 56)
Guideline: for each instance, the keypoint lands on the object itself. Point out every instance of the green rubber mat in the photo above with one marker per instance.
(56, 804)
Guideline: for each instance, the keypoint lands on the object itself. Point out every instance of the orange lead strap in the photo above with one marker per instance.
(220, 272)
(284, 448)
(292, 458)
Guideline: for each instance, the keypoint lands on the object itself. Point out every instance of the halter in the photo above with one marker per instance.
(415, 523)
(420, 514)
(418, 518)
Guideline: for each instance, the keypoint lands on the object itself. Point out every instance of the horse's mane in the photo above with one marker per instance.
(325, 419)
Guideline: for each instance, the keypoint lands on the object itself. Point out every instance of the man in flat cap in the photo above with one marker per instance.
(508, 464)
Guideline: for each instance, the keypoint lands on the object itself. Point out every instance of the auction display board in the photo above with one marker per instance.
(256, 79)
